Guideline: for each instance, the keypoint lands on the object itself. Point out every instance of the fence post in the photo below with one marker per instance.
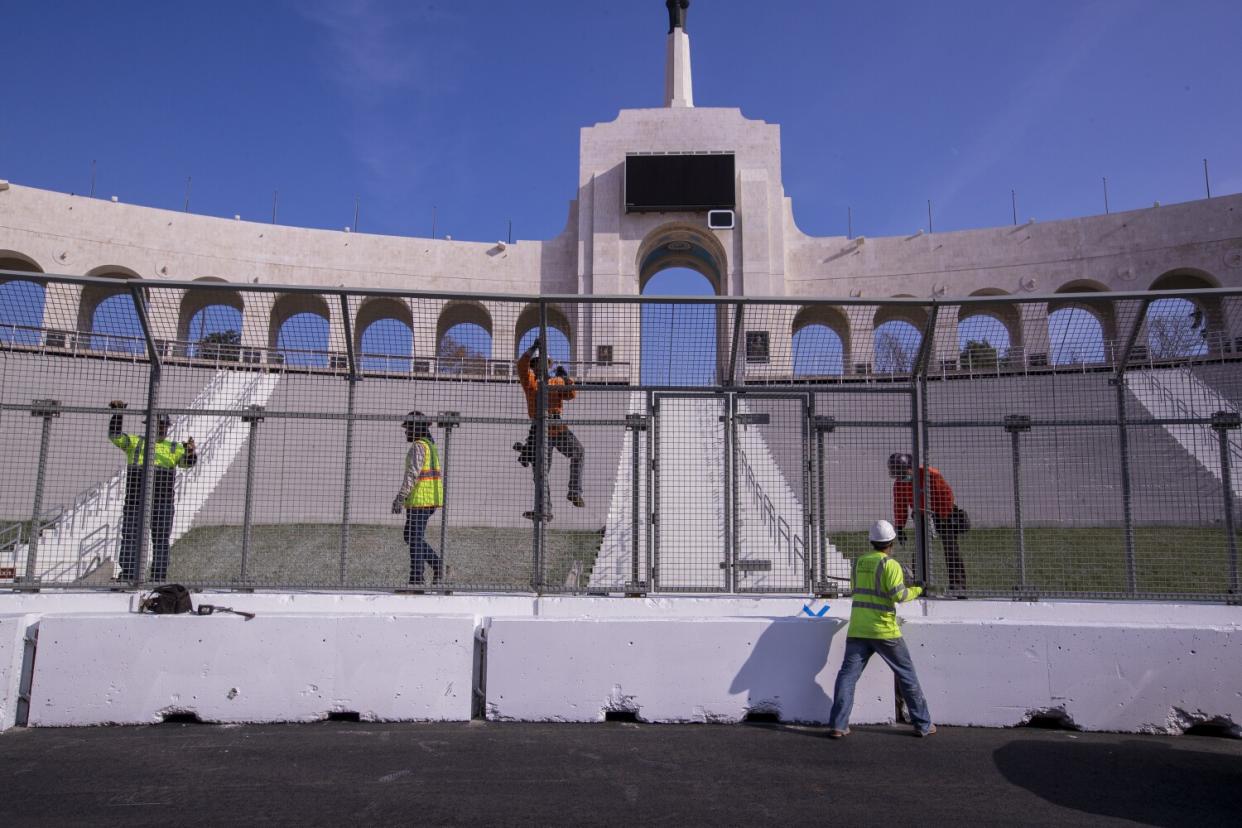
(634, 424)
(47, 409)
(823, 425)
(252, 418)
(918, 432)
(1127, 493)
(448, 421)
(349, 433)
(153, 393)
(542, 460)
(1223, 422)
(731, 488)
(1015, 424)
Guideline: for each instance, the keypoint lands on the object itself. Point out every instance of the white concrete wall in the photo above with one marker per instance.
(689, 670)
(12, 649)
(1131, 667)
(134, 669)
(1153, 678)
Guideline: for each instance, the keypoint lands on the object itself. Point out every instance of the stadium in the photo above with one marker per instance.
(1078, 382)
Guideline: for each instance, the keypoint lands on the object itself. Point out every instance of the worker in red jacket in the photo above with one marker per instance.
(948, 521)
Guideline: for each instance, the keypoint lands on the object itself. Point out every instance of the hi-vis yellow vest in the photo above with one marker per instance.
(879, 586)
(168, 455)
(428, 491)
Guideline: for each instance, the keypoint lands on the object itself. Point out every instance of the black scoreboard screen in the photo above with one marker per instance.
(679, 183)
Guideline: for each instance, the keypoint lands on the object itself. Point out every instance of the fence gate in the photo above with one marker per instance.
(771, 511)
(690, 500)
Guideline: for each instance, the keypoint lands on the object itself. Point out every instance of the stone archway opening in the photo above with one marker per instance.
(682, 343)
(21, 302)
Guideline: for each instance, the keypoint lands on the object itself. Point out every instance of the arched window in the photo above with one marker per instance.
(385, 335)
(214, 332)
(387, 345)
(1076, 336)
(678, 340)
(302, 340)
(463, 339)
(1176, 329)
(560, 346)
(896, 346)
(982, 342)
(21, 312)
(817, 352)
(115, 326)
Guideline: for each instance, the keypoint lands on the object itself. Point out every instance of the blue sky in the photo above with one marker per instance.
(472, 109)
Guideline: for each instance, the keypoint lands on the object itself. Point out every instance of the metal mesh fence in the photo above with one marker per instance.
(1073, 445)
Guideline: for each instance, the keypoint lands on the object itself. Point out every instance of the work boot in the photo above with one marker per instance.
(931, 731)
(577, 500)
(838, 734)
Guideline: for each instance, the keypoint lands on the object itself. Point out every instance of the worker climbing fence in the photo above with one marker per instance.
(1078, 445)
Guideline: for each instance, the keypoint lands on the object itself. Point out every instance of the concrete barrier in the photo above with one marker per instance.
(138, 669)
(684, 670)
(12, 656)
(989, 672)
(1145, 679)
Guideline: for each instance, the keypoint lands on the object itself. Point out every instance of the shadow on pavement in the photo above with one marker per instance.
(1150, 782)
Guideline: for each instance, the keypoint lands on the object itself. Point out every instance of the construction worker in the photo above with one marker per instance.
(948, 521)
(169, 455)
(878, 586)
(559, 388)
(421, 493)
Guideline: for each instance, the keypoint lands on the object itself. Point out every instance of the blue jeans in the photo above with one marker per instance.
(895, 653)
(421, 552)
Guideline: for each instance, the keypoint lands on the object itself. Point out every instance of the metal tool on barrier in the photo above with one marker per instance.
(212, 609)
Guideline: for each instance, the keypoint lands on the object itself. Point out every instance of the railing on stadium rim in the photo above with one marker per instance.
(724, 445)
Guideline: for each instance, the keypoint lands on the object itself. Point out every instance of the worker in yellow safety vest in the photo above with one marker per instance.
(879, 585)
(169, 456)
(421, 493)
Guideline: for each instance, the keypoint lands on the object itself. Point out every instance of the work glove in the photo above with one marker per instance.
(397, 505)
(561, 372)
(117, 404)
(901, 537)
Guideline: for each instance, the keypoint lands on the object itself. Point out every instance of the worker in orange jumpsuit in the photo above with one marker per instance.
(560, 387)
(948, 521)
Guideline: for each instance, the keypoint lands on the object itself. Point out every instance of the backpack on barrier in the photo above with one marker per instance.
(170, 599)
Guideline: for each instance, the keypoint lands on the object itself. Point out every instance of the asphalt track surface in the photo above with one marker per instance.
(487, 773)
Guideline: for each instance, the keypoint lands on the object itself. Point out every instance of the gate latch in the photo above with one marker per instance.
(750, 419)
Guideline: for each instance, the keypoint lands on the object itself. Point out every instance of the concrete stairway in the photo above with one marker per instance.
(82, 541)
(1177, 393)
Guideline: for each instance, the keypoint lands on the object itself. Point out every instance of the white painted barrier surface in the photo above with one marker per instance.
(134, 669)
(1149, 679)
(1137, 667)
(688, 670)
(12, 647)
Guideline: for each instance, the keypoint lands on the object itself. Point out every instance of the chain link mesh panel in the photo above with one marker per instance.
(688, 445)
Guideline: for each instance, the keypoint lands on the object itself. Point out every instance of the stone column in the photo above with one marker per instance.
(1033, 319)
(678, 87)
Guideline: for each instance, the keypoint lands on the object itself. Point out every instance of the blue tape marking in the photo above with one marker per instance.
(819, 614)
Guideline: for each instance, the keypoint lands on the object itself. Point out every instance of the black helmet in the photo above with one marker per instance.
(898, 461)
(416, 426)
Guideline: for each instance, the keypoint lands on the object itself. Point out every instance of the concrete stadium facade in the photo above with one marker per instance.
(604, 250)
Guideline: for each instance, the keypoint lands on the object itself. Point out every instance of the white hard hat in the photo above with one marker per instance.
(882, 532)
